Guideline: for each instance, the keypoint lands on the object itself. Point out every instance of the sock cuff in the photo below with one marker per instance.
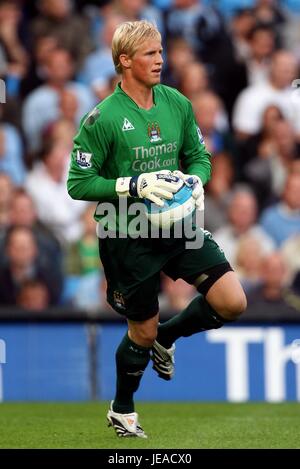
(136, 347)
(220, 318)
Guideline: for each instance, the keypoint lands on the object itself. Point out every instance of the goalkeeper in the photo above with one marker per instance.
(122, 150)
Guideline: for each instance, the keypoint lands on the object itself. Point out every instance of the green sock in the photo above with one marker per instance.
(198, 316)
(131, 361)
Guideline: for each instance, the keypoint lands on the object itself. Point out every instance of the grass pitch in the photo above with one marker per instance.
(168, 425)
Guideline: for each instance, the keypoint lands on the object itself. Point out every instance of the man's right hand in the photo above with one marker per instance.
(154, 186)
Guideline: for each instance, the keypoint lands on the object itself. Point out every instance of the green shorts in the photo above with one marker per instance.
(132, 268)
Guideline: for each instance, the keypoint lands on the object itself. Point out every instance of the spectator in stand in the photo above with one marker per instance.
(249, 259)
(219, 192)
(291, 31)
(252, 102)
(253, 44)
(11, 152)
(268, 171)
(90, 293)
(271, 13)
(176, 295)
(61, 131)
(98, 67)
(248, 149)
(212, 120)
(296, 287)
(84, 281)
(42, 106)
(46, 183)
(14, 55)
(64, 128)
(97, 12)
(262, 45)
(286, 147)
(229, 7)
(194, 80)
(273, 294)
(179, 56)
(33, 295)
(286, 150)
(23, 213)
(68, 105)
(134, 10)
(242, 216)
(36, 74)
(57, 20)
(295, 165)
(6, 193)
(23, 263)
(266, 11)
(198, 23)
(112, 83)
(282, 220)
(82, 256)
(290, 250)
(82, 265)
(241, 24)
(226, 63)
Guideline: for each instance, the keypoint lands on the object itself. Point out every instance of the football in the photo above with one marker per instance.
(180, 207)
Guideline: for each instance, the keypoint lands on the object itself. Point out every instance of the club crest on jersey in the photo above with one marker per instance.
(154, 132)
(119, 300)
(83, 159)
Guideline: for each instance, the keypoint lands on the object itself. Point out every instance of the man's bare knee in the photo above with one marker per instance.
(142, 337)
(143, 333)
(233, 307)
(227, 297)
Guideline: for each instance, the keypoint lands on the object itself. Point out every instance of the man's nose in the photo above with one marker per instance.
(159, 59)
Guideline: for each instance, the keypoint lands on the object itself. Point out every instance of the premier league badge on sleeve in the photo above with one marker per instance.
(83, 159)
(200, 136)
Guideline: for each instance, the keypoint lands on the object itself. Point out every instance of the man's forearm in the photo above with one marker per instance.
(94, 188)
(200, 168)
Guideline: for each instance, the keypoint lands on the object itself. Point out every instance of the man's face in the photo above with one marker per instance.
(283, 69)
(21, 248)
(146, 63)
(59, 66)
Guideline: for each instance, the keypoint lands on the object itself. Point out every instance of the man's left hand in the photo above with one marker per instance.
(196, 184)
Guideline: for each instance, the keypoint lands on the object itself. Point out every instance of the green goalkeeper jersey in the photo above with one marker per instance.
(119, 139)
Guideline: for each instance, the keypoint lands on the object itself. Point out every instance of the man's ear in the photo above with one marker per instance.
(125, 60)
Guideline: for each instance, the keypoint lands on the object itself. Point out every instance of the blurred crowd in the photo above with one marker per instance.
(239, 64)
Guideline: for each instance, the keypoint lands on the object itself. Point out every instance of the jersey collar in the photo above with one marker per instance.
(118, 90)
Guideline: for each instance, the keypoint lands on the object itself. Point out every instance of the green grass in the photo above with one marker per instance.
(168, 425)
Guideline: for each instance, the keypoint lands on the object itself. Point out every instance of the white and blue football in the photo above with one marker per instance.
(181, 206)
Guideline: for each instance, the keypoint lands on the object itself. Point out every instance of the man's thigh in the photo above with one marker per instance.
(132, 269)
(138, 303)
(200, 267)
(132, 288)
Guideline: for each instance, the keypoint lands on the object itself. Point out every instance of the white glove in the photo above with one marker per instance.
(196, 183)
(154, 186)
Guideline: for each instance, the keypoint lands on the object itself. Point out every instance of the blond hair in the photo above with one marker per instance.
(129, 36)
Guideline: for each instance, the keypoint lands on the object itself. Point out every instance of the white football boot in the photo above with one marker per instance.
(125, 425)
